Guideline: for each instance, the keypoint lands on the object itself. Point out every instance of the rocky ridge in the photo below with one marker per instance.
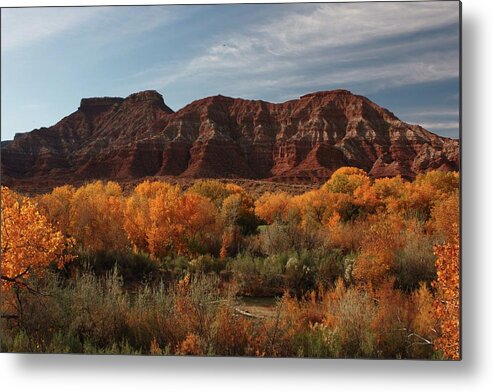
(299, 141)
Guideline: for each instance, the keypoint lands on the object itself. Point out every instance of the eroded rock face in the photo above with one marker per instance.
(303, 140)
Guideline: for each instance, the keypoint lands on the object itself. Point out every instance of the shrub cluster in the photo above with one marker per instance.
(160, 270)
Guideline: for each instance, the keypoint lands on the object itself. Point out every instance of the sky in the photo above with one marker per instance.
(403, 56)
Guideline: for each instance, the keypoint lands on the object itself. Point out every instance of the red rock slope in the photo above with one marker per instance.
(302, 140)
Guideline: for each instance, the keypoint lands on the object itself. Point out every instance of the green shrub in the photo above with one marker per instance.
(258, 276)
(132, 267)
(313, 343)
(415, 263)
(329, 266)
(206, 264)
(300, 273)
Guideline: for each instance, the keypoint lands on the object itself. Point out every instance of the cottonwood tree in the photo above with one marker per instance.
(56, 205)
(29, 242)
(347, 180)
(272, 207)
(96, 217)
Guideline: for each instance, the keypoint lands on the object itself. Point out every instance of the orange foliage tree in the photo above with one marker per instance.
(96, 216)
(447, 306)
(148, 216)
(197, 225)
(29, 242)
(389, 192)
(427, 190)
(159, 219)
(444, 216)
(273, 206)
(378, 249)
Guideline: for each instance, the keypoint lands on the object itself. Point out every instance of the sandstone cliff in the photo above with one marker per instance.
(302, 140)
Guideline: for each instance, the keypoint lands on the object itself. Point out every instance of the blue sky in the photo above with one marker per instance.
(403, 56)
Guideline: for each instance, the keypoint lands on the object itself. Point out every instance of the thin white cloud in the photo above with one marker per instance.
(27, 26)
(437, 112)
(441, 125)
(426, 68)
(338, 24)
(280, 53)
(438, 119)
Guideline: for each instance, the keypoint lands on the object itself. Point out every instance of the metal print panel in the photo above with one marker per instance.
(269, 180)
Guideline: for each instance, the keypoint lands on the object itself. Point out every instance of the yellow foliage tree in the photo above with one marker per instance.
(214, 190)
(29, 242)
(96, 217)
(319, 206)
(148, 207)
(347, 180)
(427, 190)
(159, 228)
(443, 182)
(313, 206)
(389, 192)
(273, 206)
(56, 205)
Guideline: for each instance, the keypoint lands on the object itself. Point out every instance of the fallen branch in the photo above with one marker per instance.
(247, 314)
(424, 340)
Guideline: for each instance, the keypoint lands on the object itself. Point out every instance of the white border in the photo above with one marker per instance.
(89, 373)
